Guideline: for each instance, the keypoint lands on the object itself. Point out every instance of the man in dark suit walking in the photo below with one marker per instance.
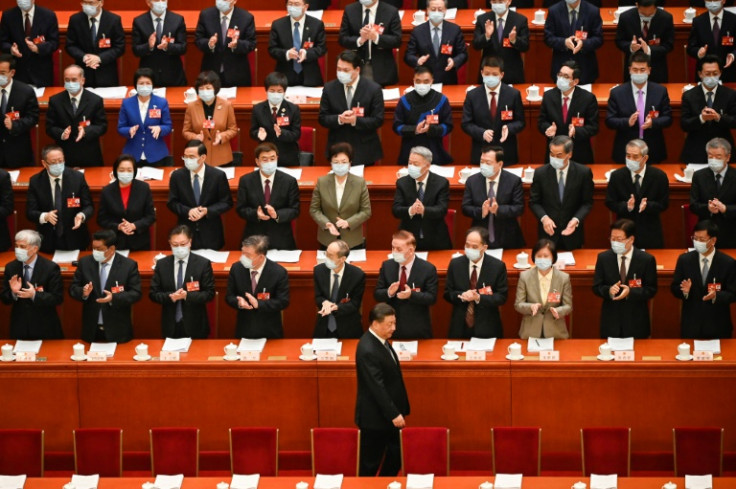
(712, 33)
(382, 402)
(650, 30)
(7, 205)
(503, 33)
(199, 195)
(159, 39)
(19, 113)
(278, 121)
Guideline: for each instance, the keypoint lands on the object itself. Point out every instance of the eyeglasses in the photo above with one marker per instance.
(619, 240)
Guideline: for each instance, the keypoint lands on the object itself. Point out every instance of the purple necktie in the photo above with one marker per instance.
(640, 108)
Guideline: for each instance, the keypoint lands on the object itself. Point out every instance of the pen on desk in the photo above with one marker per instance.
(536, 341)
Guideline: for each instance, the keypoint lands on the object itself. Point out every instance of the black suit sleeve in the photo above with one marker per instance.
(586, 203)
(206, 290)
(85, 199)
(157, 294)
(648, 287)
(279, 299)
(149, 214)
(28, 117)
(117, 44)
(600, 288)
(590, 126)
(7, 204)
(225, 198)
(373, 120)
(372, 373)
(499, 287)
(356, 299)
(291, 210)
(132, 292)
(54, 127)
(53, 292)
(439, 208)
(98, 121)
(516, 207)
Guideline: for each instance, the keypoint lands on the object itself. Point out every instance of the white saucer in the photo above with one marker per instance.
(307, 358)
(685, 358)
(522, 267)
(10, 359)
(686, 21)
(535, 99)
(605, 358)
(415, 23)
(514, 357)
(449, 357)
(527, 180)
(538, 23)
(233, 358)
(141, 358)
(79, 358)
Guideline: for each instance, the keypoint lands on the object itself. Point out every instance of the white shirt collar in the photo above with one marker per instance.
(642, 172)
(7, 90)
(154, 17)
(383, 342)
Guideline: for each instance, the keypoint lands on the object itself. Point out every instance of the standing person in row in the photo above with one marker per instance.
(574, 31)
(278, 121)
(159, 39)
(648, 29)
(18, 117)
(712, 33)
(503, 33)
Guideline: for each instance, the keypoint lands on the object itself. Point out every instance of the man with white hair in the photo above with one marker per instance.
(33, 287)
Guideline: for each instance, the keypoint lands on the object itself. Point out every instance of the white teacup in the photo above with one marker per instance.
(231, 350)
(669, 485)
(448, 350)
(485, 485)
(147, 485)
(522, 259)
(532, 91)
(394, 485)
(605, 349)
(539, 16)
(689, 15)
(514, 349)
(222, 485)
(307, 350)
(419, 16)
(141, 350)
(616, 15)
(579, 485)
(302, 485)
(7, 350)
(465, 173)
(78, 349)
(528, 173)
(683, 349)
(689, 172)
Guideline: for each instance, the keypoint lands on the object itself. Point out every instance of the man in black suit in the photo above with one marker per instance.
(107, 284)
(7, 205)
(278, 121)
(76, 120)
(505, 34)
(297, 42)
(438, 45)
(626, 278)
(713, 192)
(382, 402)
(562, 195)
(570, 111)
(476, 287)
(258, 289)
(34, 288)
(59, 202)
(639, 110)
(409, 285)
(648, 29)
(712, 33)
(420, 202)
(159, 39)
(268, 200)
(705, 282)
(19, 112)
(640, 193)
(494, 200)
(31, 34)
(183, 283)
(95, 40)
(199, 195)
(338, 293)
(708, 111)
(499, 125)
(374, 29)
(352, 110)
(226, 34)
(574, 31)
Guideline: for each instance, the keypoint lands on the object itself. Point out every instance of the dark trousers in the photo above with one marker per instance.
(378, 446)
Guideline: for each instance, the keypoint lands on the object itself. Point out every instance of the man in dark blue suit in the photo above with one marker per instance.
(649, 29)
(18, 115)
(712, 33)
(159, 39)
(505, 34)
(277, 121)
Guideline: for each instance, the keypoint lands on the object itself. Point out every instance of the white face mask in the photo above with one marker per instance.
(491, 81)
(711, 81)
(398, 257)
(713, 6)
(24, 5)
(246, 262)
(488, 171)
(422, 89)
(498, 8)
(340, 169)
(125, 177)
(344, 77)
(206, 95)
(4, 80)
(332, 265)
(639, 78)
(472, 254)
(56, 169)
(557, 163)
(436, 17)
(72, 87)
(158, 8)
(98, 255)
(715, 164)
(700, 246)
(89, 10)
(543, 263)
(415, 171)
(275, 98)
(180, 252)
(618, 247)
(191, 164)
(269, 167)
(294, 11)
(563, 84)
(21, 254)
(222, 5)
(144, 90)
(632, 165)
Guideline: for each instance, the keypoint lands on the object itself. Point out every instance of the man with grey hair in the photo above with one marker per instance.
(640, 192)
(421, 201)
(33, 287)
(713, 192)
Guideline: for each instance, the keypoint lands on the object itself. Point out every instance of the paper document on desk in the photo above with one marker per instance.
(419, 481)
(32, 346)
(707, 345)
(566, 258)
(696, 166)
(229, 171)
(168, 481)
(177, 344)
(326, 344)
(540, 344)
(110, 92)
(519, 172)
(509, 481)
(410, 346)
(284, 256)
(228, 93)
(598, 481)
(85, 481)
(150, 173)
(14, 174)
(699, 481)
(443, 171)
(294, 172)
(496, 253)
(323, 481)
(451, 13)
(125, 253)
(457, 345)
(12, 481)
(479, 344)
(107, 348)
(240, 481)
(213, 255)
(65, 256)
(621, 344)
(317, 14)
(391, 94)
(252, 345)
(39, 91)
(309, 92)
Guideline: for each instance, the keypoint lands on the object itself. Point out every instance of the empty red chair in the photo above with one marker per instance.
(698, 451)
(450, 222)
(425, 451)
(516, 450)
(606, 451)
(175, 451)
(254, 451)
(21, 452)
(335, 451)
(98, 451)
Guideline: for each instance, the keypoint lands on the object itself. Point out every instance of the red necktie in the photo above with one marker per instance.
(402, 278)
(493, 105)
(470, 311)
(273, 114)
(267, 191)
(564, 108)
(28, 26)
(645, 30)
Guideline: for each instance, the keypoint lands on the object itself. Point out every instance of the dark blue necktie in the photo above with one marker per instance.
(179, 283)
(197, 189)
(334, 297)
(297, 46)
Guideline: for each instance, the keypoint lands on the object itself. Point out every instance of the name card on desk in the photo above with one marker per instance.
(404, 355)
(25, 356)
(169, 356)
(96, 356)
(327, 355)
(250, 356)
(475, 355)
(702, 356)
(624, 356)
(549, 356)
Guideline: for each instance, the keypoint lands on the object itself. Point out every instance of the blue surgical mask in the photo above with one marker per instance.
(125, 177)
(415, 171)
(618, 247)
(269, 167)
(713, 6)
(24, 5)
(700, 246)
(711, 81)
(557, 163)
(498, 8)
(191, 164)
(98, 255)
(158, 8)
(472, 254)
(223, 6)
(488, 171)
(491, 81)
(563, 84)
(4, 80)
(72, 87)
(294, 11)
(89, 10)
(144, 90)
(344, 77)
(56, 169)
(639, 78)
(207, 95)
(632, 165)
(436, 17)
(570, 2)
(715, 165)
(21, 254)
(398, 257)
(422, 89)
(275, 98)
(646, 18)
(332, 265)
(340, 169)
(246, 262)
(543, 263)
(180, 252)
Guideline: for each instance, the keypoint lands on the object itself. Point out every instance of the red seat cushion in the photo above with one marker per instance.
(335, 451)
(254, 451)
(98, 451)
(425, 451)
(606, 451)
(516, 450)
(21, 452)
(175, 451)
(698, 451)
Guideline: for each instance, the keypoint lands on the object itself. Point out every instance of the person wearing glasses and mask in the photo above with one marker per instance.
(278, 121)
(159, 39)
(649, 29)
(503, 33)
(712, 33)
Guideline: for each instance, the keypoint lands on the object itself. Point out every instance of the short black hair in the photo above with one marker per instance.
(422, 69)
(48, 149)
(626, 225)
(181, 229)
(196, 143)
(351, 57)
(640, 57)
(265, 148)
(276, 79)
(482, 231)
(542, 244)
(107, 236)
(491, 62)
(573, 65)
(258, 242)
(8, 58)
(646, 3)
(708, 226)
(120, 159)
(497, 151)
(380, 312)
(144, 72)
(208, 78)
(338, 148)
(710, 58)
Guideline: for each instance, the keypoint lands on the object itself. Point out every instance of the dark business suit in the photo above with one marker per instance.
(699, 133)
(487, 319)
(16, 142)
(116, 315)
(655, 188)
(510, 199)
(420, 43)
(411, 110)
(430, 230)
(701, 34)
(33, 68)
(167, 66)
(215, 196)
(412, 314)
(630, 316)
(513, 64)
(621, 104)
(660, 38)
(703, 189)
(544, 199)
(7, 205)
(35, 319)
(349, 301)
(288, 143)
(139, 211)
(195, 322)
(284, 199)
(60, 115)
(79, 42)
(40, 200)
(282, 40)
(477, 119)
(264, 322)
(582, 104)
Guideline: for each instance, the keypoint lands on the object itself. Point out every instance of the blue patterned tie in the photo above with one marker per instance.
(197, 189)
(297, 46)
(103, 283)
(491, 223)
(561, 185)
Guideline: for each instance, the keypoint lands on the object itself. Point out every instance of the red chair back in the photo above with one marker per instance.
(450, 222)
(175, 451)
(57, 71)
(321, 63)
(21, 452)
(253, 62)
(12, 222)
(254, 451)
(516, 450)
(425, 451)
(335, 451)
(462, 72)
(213, 316)
(698, 451)
(689, 220)
(606, 451)
(307, 139)
(98, 451)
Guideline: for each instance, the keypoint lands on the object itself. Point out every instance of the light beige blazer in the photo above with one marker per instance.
(224, 117)
(355, 208)
(527, 293)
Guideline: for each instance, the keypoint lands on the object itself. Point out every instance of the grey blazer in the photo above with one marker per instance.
(527, 293)
(355, 208)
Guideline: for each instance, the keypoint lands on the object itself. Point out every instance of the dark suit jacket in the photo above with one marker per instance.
(33, 68)
(655, 188)
(288, 143)
(411, 110)
(234, 62)
(16, 142)
(282, 40)
(703, 189)
(513, 64)
(698, 133)
(35, 319)
(7, 205)
(487, 319)
(630, 316)
(582, 104)
(544, 199)
(284, 199)
(621, 104)
(215, 196)
(557, 28)
(116, 315)
(510, 199)
(194, 307)
(264, 322)
(40, 200)
(385, 71)
(167, 66)
(59, 116)
(660, 38)
(412, 314)
(363, 137)
(139, 211)
(430, 230)
(350, 300)
(420, 43)
(477, 119)
(701, 34)
(79, 43)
